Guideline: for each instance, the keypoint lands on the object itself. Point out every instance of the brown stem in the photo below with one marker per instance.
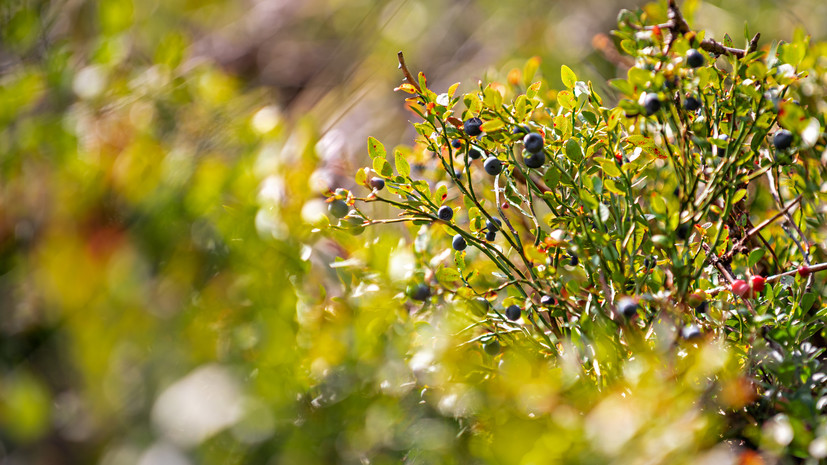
(774, 278)
(678, 25)
(406, 73)
(716, 261)
(758, 228)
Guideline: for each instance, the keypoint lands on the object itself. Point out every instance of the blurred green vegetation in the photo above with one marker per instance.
(164, 297)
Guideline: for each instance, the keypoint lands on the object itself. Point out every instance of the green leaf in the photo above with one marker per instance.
(448, 275)
(573, 151)
(612, 187)
(402, 166)
(754, 257)
(568, 76)
(530, 69)
(382, 167)
(492, 125)
(623, 86)
(609, 167)
(440, 194)
(533, 89)
(361, 177)
(807, 301)
(739, 195)
(552, 177)
(566, 99)
(375, 148)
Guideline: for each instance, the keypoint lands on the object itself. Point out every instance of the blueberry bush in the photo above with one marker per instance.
(629, 283)
(550, 270)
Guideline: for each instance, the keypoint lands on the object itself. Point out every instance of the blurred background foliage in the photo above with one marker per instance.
(164, 299)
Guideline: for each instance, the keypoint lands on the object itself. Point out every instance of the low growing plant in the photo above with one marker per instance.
(677, 233)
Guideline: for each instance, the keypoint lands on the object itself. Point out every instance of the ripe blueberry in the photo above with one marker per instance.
(491, 236)
(495, 225)
(445, 213)
(627, 307)
(459, 243)
(546, 301)
(535, 160)
(474, 153)
(456, 143)
(691, 103)
(492, 347)
(694, 58)
(377, 183)
(522, 129)
(651, 104)
(419, 292)
(472, 126)
(513, 313)
(574, 259)
(782, 140)
(493, 166)
(533, 142)
(338, 208)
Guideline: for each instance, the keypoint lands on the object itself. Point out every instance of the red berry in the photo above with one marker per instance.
(740, 287)
(804, 271)
(757, 284)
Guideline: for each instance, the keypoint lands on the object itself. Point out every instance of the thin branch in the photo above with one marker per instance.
(758, 228)
(677, 25)
(406, 73)
(716, 261)
(774, 278)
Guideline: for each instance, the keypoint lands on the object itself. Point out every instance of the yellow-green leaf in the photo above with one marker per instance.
(565, 99)
(492, 125)
(568, 76)
(375, 148)
(382, 167)
(402, 166)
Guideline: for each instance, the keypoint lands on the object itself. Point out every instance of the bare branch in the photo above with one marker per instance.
(406, 73)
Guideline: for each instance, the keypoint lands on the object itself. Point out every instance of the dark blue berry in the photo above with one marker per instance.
(493, 166)
(522, 129)
(491, 236)
(420, 292)
(472, 126)
(459, 243)
(782, 140)
(627, 307)
(546, 301)
(513, 313)
(492, 348)
(456, 143)
(691, 103)
(533, 142)
(651, 104)
(445, 213)
(694, 58)
(535, 160)
(377, 183)
(574, 259)
(495, 225)
(474, 154)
